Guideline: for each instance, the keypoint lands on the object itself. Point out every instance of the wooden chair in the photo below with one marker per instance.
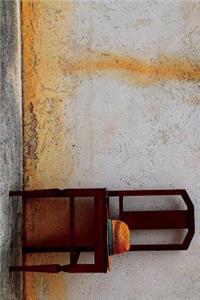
(136, 220)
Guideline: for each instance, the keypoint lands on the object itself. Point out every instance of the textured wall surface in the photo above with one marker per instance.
(11, 149)
(111, 98)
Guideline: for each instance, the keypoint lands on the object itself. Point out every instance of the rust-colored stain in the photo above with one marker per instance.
(43, 92)
(134, 70)
(46, 286)
(47, 155)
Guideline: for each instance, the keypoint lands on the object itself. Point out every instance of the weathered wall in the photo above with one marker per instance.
(111, 99)
(11, 149)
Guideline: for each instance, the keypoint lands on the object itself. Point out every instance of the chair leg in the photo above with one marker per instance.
(36, 193)
(75, 258)
(39, 268)
(17, 193)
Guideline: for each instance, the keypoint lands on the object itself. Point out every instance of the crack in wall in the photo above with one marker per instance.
(31, 145)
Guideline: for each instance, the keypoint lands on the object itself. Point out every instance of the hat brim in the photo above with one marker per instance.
(109, 258)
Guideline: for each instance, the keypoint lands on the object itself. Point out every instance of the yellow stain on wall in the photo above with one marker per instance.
(44, 27)
(134, 70)
(47, 155)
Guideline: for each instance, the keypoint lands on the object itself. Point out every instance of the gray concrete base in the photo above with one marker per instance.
(11, 150)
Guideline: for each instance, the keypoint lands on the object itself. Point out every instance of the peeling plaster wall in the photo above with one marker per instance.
(111, 98)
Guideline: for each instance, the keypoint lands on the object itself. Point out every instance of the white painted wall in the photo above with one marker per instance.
(129, 135)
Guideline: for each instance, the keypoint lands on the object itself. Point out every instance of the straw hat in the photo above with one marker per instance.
(117, 238)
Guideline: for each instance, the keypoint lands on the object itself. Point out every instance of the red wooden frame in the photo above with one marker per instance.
(136, 220)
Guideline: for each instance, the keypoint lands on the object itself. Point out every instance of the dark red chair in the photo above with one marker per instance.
(136, 220)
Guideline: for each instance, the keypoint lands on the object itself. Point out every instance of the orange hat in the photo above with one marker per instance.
(118, 238)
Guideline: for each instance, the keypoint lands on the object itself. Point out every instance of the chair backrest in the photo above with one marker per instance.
(163, 219)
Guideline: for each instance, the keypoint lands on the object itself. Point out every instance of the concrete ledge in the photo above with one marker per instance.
(11, 149)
